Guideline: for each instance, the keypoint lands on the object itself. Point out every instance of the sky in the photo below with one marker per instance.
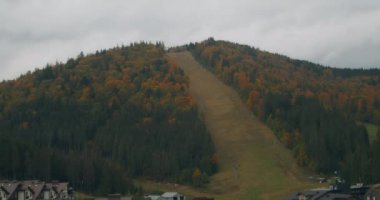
(338, 33)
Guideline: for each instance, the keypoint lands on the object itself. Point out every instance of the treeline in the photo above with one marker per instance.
(100, 120)
(314, 110)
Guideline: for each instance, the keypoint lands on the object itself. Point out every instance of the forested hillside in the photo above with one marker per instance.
(101, 120)
(316, 111)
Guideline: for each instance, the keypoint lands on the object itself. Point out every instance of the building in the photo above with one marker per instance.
(55, 190)
(172, 196)
(373, 193)
(8, 190)
(30, 190)
(358, 190)
(309, 194)
(322, 194)
(166, 196)
(33, 190)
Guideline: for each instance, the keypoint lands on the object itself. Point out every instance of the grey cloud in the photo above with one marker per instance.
(341, 33)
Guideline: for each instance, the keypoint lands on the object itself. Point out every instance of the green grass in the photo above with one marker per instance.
(371, 130)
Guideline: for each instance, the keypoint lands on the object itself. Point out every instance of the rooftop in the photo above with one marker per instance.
(169, 194)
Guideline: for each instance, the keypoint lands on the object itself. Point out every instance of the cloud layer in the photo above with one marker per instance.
(339, 33)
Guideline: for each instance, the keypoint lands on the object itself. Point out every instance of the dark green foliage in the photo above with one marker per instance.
(101, 120)
(312, 109)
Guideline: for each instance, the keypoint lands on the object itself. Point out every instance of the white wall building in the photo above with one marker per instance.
(172, 196)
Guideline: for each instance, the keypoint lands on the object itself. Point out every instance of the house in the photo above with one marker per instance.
(55, 190)
(50, 192)
(33, 190)
(337, 196)
(309, 194)
(3, 194)
(373, 193)
(358, 190)
(320, 194)
(25, 192)
(8, 190)
(30, 190)
(166, 196)
(61, 190)
(172, 196)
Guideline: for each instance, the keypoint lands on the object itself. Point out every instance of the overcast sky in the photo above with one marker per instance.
(338, 33)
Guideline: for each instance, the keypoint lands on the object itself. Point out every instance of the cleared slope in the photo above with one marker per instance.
(253, 164)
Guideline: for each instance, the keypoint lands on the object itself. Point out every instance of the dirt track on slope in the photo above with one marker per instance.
(253, 164)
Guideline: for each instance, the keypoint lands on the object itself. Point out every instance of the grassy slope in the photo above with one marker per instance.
(253, 164)
(372, 131)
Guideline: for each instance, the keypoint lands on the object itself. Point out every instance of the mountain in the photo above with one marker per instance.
(103, 119)
(318, 112)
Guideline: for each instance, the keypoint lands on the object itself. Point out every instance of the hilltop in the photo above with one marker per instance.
(225, 119)
(100, 120)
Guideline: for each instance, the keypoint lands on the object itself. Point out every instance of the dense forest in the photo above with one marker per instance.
(318, 112)
(100, 120)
